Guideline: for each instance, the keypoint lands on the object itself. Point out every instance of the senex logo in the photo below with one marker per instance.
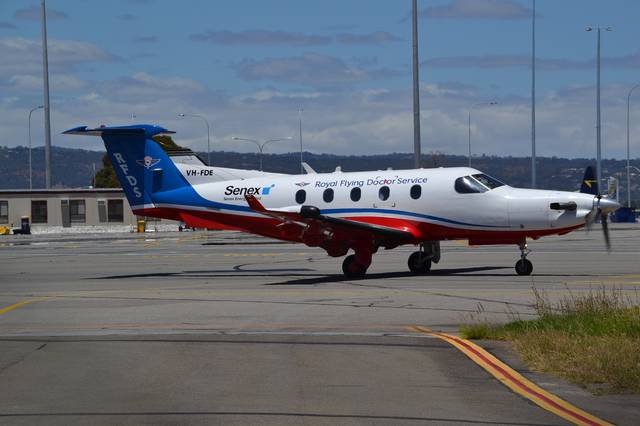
(248, 190)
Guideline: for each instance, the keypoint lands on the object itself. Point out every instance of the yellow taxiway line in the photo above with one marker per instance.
(20, 304)
(516, 382)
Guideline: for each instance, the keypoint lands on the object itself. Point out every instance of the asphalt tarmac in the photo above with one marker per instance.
(220, 327)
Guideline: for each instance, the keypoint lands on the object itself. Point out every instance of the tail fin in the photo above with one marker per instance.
(589, 182)
(141, 165)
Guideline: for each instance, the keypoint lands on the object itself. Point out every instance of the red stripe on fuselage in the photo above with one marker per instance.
(423, 231)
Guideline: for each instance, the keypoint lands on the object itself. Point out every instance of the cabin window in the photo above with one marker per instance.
(488, 181)
(327, 195)
(356, 193)
(301, 196)
(415, 192)
(383, 193)
(468, 185)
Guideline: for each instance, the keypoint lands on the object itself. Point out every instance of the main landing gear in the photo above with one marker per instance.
(524, 266)
(356, 265)
(420, 261)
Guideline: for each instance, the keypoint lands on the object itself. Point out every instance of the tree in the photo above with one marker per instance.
(106, 176)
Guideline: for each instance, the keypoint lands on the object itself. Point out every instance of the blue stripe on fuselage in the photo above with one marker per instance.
(187, 196)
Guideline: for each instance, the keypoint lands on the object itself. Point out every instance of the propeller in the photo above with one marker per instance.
(602, 207)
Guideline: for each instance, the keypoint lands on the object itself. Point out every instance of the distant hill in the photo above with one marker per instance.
(70, 167)
(74, 167)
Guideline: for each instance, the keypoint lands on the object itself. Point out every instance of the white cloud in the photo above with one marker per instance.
(377, 37)
(260, 37)
(478, 9)
(32, 13)
(310, 69)
(373, 120)
(24, 56)
(59, 82)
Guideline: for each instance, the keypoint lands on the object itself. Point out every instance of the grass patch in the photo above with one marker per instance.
(592, 340)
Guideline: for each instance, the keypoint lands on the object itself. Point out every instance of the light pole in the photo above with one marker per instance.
(416, 88)
(208, 136)
(598, 127)
(471, 109)
(628, 161)
(533, 96)
(47, 107)
(261, 145)
(30, 168)
(300, 128)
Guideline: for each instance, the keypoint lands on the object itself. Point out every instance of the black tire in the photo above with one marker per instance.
(524, 267)
(351, 268)
(418, 264)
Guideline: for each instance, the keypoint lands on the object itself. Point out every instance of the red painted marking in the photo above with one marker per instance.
(263, 225)
(518, 383)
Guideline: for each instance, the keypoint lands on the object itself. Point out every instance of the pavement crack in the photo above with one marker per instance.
(21, 359)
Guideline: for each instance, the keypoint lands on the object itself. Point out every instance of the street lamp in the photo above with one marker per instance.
(533, 97)
(598, 129)
(30, 168)
(208, 137)
(261, 145)
(628, 161)
(300, 110)
(471, 109)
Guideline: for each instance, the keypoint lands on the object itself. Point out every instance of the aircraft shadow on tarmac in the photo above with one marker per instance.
(386, 275)
(294, 272)
(310, 277)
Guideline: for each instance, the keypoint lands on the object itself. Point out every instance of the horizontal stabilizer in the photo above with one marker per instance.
(148, 130)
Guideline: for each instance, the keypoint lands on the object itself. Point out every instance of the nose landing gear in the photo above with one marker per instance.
(524, 266)
(420, 261)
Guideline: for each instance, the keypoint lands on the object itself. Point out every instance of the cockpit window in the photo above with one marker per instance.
(476, 184)
(468, 185)
(488, 181)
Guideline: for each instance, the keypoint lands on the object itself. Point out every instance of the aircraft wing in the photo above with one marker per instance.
(305, 215)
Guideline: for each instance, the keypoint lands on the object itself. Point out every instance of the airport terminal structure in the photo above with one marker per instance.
(67, 207)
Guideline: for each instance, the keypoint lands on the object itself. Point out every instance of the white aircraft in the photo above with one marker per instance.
(361, 211)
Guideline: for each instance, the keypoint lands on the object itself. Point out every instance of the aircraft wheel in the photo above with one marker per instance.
(418, 263)
(353, 269)
(524, 267)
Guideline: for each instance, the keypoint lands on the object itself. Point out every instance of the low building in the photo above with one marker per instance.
(66, 207)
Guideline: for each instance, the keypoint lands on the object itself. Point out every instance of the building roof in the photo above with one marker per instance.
(59, 191)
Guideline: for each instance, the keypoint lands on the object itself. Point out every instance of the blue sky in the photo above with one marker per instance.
(249, 65)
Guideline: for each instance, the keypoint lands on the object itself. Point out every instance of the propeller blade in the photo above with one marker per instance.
(605, 230)
(594, 214)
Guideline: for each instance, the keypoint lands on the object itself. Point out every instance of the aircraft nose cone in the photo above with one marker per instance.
(607, 205)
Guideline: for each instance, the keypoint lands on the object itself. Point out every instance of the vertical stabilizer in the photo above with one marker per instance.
(589, 182)
(141, 165)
